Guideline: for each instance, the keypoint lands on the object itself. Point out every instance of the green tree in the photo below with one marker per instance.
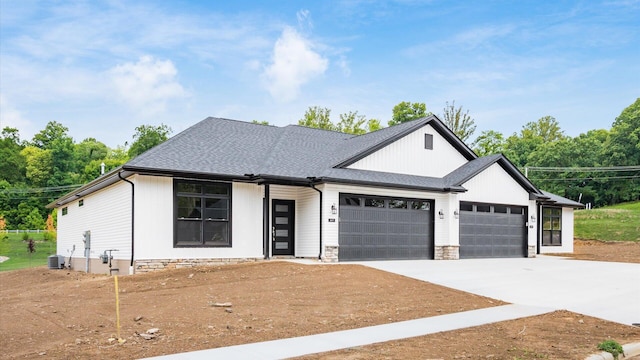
(623, 144)
(64, 165)
(262, 122)
(622, 148)
(373, 125)
(39, 167)
(519, 147)
(55, 138)
(89, 150)
(489, 142)
(52, 132)
(12, 164)
(33, 221)
(547, 128)
(148, 136)
(406, 111)
(93, 169)
(351, 123)
(458, 121)
(317, 117)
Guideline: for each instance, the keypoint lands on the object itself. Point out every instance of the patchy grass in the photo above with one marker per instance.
(16, 249)
(619, 223)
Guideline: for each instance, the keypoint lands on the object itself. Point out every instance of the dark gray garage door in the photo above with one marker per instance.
(492, 230)
(379, 228)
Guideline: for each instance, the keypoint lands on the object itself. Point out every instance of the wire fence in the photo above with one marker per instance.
(7, 231)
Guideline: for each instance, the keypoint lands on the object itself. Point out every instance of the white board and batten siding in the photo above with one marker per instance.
(409, 156)
(107, 214)
(155, 222)
(307, 229)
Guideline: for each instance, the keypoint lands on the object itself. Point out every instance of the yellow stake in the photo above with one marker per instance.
(115, 279)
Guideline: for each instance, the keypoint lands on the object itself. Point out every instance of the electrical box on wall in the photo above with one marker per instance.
(86, 238)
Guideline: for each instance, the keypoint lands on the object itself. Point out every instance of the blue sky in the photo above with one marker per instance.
(102, 68)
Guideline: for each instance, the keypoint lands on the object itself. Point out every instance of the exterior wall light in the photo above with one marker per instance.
(441, 214)
(533, 218)
(334, 209)
(456, 214)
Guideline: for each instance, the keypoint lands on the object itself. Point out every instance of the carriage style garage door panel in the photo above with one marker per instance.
(492, 230)
(378, 228)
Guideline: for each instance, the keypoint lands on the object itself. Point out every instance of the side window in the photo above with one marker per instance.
(428, 141)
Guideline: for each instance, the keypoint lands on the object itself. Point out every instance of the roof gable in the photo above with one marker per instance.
(364, 145)
(469, 170)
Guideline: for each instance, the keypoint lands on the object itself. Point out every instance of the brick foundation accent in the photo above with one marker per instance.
(447, 252)
(143, 266)
(330, 253)
(531, 251)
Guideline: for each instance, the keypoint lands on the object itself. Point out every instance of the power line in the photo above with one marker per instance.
(584, 169)
(39, 190)
(589, 178)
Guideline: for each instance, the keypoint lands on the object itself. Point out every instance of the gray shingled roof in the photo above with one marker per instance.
(562, 201)
(234, 148)
(231, 149)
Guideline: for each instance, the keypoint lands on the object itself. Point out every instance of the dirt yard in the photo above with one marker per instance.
(619, 251)
(53, 314)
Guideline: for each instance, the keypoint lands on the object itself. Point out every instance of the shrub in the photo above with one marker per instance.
(612, 347)
(49, 236)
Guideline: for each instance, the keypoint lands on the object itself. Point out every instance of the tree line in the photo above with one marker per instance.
(587, 167)
(601, 166)
(35, 172)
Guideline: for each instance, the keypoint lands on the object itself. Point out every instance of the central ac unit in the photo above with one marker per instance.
(56, 262)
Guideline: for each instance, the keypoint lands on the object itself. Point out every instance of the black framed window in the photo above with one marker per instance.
(202, 214)
(65, 211)
(551, 226)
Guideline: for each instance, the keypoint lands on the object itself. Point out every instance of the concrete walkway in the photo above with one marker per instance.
(304, 345)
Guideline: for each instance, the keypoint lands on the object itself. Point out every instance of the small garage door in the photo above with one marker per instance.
(380, 228)
(492, 231)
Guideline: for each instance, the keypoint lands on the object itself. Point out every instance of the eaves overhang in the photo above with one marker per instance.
(448, 189)
(99, 183)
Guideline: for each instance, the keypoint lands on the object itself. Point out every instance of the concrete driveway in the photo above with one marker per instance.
(605, 290)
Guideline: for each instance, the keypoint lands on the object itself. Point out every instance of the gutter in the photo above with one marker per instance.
(133, 224)
(320, 192)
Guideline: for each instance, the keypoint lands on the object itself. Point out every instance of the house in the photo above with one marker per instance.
(226, 190)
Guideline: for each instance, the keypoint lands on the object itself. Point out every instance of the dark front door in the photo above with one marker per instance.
(282, 229)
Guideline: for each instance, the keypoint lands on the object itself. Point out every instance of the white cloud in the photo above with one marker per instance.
(148, 84)
(304, 19)
(294, 64)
